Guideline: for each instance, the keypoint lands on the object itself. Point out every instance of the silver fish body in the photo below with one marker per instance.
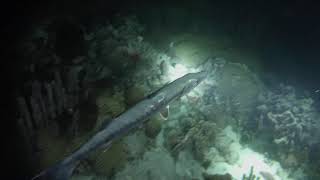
(130, 119)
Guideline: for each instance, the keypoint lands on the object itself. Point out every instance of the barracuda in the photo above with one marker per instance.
(121, 125)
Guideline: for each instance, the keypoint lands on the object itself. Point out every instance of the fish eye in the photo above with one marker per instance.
(160, 98)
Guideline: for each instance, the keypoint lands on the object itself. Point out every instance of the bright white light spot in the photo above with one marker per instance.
(248, 159)
(178, 71)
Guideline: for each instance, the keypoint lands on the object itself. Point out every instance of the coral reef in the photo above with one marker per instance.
(195, 134)
(119, 47)
(223, 153)
(156, 164)
(291, 117)
(187, 167)
(50, 101)
(136, 144)
(285, 126)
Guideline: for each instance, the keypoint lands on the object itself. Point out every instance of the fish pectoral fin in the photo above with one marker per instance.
(164, 113)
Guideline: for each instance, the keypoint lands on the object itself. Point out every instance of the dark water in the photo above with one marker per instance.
(287, 33)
